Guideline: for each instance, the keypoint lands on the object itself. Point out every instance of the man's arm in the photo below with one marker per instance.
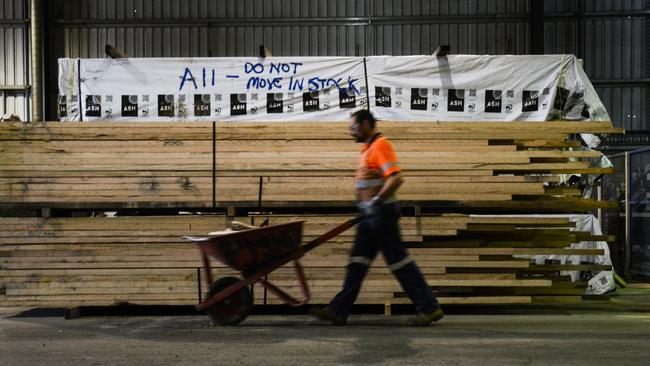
(392, 183)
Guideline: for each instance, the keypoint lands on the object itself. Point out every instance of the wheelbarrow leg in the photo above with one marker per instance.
(207, 268)
(290, 300)
(302, 280)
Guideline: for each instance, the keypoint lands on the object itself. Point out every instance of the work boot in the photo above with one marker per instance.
(325, 314)
(424, 319)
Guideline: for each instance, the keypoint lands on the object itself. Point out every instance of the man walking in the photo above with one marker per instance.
(377, 179)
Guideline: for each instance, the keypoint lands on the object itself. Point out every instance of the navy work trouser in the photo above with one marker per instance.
(381, 232)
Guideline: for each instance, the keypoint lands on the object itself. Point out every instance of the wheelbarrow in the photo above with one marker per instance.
(255, 253)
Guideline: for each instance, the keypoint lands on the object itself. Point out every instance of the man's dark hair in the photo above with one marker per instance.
(364, 115)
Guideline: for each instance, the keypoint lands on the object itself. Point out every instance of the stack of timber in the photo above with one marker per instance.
(451, 166)
(73, 165)
(492, 165)
(466, 260)
(63, 262)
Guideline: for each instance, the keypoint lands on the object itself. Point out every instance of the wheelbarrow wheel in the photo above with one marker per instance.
(232, 310)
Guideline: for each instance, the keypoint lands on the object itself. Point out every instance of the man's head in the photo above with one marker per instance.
(362, 125)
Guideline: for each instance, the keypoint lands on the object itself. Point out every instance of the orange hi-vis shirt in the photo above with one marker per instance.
(377, 162)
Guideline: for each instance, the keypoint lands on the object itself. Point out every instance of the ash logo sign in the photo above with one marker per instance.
(202, 105)
(165, 105)
(94, 106)
(456, 100)
(129, 106)
(310, 102)
(63, 106)
(493, 101)
(419, 99)
(530, 101)
(274, 103)
(237, 104)
(347, 98)
(434, 106)
(382, 97)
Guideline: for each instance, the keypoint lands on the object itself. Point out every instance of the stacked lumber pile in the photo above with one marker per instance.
(201, 165)
(71, 165)
(63, 262)
(143, 260)
(448, 167)
(467, 260)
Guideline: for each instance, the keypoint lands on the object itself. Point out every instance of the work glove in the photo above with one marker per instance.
(370, 208)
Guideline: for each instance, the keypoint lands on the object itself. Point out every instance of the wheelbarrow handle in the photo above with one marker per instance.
(330, 234)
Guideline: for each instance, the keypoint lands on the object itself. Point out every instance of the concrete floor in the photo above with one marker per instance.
(558, 337)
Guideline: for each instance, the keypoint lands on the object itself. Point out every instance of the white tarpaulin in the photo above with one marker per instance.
(456, 87)
(69, 88)
(227, 88)
(468, 87)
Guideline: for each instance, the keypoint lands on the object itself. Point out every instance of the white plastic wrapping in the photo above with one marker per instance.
(452, 88)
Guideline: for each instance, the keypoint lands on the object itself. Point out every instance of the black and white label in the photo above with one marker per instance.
(237, 104)
(310, 101)
(93, 106)
(274, 103)
(493, 100)
(530, 101)
(419, 99)
(347, 98)
(456, 100)
(165, 105)
(202, 105)
(63, 106)
(129, 106)
(382, 97)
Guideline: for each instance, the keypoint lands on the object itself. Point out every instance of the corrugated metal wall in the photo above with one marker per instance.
(288, 27)
(14, 58)
(609, 35)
